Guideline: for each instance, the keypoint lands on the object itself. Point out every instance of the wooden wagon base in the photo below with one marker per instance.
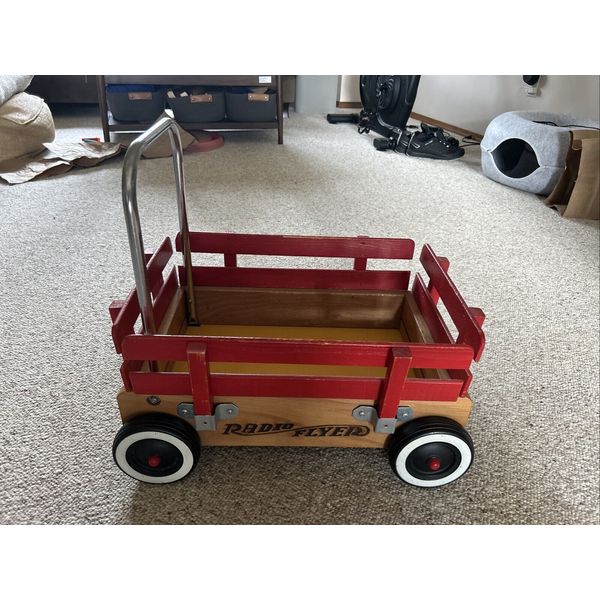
(315, 422)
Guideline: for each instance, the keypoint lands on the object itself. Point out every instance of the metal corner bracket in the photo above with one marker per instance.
(369, 413)
(223, 412)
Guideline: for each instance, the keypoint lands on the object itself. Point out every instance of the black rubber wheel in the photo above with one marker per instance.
(156, 448)
(431, 452)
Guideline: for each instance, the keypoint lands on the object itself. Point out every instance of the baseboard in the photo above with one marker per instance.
(419, 117)
(348, 104)
(446, 126)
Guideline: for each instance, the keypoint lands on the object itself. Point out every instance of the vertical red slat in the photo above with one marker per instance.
(387, 405)
(115, 308)
(230, 260)
(433, 318)
(438, 328)
(479, 318)
(465, 375)
(478, 315)
(164, 297)
(128, 367)
(470, 332)
(125, 318)
(360, 264)
(198, 369)
(445, 264)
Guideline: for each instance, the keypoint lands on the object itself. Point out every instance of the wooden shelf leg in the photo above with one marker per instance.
(101, 82)
(279, 111)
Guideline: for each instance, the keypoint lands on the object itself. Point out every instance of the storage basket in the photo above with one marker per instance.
(199, 106)
(242, 104)
(135, 102)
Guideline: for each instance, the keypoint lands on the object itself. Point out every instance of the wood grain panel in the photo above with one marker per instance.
(280, 307)
(292, 422)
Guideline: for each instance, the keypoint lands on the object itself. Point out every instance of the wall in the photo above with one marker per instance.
(349, 88)
(471, 101)
(316, 94)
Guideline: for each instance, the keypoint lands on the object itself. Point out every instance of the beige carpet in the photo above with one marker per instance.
(65, 257)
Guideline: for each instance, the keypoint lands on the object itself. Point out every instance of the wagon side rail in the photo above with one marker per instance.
(360, 249)
(125, 313)
(385, 393)
(468, 320)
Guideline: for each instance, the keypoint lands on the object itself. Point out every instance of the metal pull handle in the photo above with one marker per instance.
(132, 217)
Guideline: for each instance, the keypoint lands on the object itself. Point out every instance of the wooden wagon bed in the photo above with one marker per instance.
(300, 344)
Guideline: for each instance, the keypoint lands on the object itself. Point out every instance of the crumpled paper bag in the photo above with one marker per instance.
(58, 157)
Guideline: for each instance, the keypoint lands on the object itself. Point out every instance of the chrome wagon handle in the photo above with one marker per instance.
(132, 217)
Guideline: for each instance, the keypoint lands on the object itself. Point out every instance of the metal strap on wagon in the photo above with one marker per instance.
(132, 218)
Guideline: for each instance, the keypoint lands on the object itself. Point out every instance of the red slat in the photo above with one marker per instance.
(440, 390)
(398, 365)
(323, 279)
(158, 262)
(260, 385)
(145, 382)
(479, 318)
(115, 308)
(174, 347)
(124, 321)
(128, 367)
(230, 260)
(470, 332)
(438, 328)
(360, 264)
(432, 316)
(293, 387)
(478, 315)
(164, 296)
(198, 372)
(465, 376)
(290, 245)
(160, 281)
(445, 264)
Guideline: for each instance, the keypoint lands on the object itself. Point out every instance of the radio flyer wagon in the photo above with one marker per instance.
(245, 356)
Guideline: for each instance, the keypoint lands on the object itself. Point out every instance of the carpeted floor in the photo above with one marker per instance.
(65, 257)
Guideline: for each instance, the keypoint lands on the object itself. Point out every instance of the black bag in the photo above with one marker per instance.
(387, 102)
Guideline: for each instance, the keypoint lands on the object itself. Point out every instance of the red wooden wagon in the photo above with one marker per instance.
(262, 356)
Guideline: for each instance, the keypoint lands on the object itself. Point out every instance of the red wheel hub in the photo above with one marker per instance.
(153, 460)
(434, 463)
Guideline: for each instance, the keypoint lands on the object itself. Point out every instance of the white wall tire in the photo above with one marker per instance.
(431, 452)
(156, 449)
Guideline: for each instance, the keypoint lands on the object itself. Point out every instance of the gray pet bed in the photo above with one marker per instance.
(527, 150)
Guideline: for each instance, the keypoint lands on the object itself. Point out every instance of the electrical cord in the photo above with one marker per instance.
(467, 141)
(572, 125)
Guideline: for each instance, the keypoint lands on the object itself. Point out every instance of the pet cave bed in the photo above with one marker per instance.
(527, 150)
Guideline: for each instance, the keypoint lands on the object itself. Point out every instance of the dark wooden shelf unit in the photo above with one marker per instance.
(109, 124)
